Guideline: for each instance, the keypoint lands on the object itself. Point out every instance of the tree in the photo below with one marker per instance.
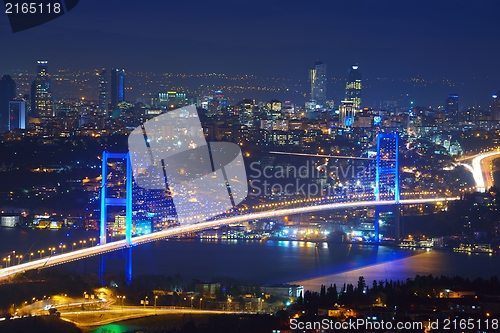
(322, 293)
(361, 284)
(332, 295)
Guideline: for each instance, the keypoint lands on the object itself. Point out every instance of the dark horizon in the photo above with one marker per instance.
(434, 41)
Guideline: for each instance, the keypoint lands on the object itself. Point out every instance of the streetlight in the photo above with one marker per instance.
(144, 301)
(31, 255)
(62, 247)
(72, 246)
(192, 301)
(229, 300)
(92, 240)
(156, 297)
(122, 298)
(51, 249)
(19, 257)
(41, 252)
(83, 242)
(201, 299)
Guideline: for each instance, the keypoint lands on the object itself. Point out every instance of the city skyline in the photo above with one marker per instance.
(257, 150)
(433, 93)
(389, 40)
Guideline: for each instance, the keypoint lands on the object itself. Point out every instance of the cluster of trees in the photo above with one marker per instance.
(400, 293)
(328, 297)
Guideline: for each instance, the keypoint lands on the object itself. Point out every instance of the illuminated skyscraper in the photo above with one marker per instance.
(317, 77)
(103, 93)
(273, 109)
(117, 86)
(42, 73)
(173, 100)
(221, 101)
(7, 94)
(346, 114)
(42, 103)
(353, 87)
(247, 112)
(495, 107)
(451, 108)
(17, 114)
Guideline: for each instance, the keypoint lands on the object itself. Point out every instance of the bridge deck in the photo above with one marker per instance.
(113, 246)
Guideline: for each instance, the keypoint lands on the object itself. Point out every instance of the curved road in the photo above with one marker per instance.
(133, 312)
(481, 170)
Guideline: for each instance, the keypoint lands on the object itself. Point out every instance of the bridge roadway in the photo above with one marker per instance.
(63, 258)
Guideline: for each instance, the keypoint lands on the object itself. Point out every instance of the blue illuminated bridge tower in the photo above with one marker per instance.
(387, 182)
(146, 210)
(108, 198)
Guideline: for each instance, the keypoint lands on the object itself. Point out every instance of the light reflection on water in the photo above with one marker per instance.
(262, 261)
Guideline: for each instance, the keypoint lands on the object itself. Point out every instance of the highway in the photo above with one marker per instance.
(99, 312)
(470, 157)
(63, 258)
(481, 170)
(116, 314)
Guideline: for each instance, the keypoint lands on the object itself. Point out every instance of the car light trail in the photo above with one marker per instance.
(478, 171)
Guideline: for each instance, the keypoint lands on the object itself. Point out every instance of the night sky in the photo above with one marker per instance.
(394, 39)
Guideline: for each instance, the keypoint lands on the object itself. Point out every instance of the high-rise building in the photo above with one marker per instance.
(7, 94)
(117, 86)
(495, 107)
(451, 108)
(17, 114)
(215, 105)
(317, 77)
(221, 101)
(42, 70)
(103, 92)
(273, 109)
(346, 114)
(247, 112)
(173, 100)
(42, 103)
(353, 87)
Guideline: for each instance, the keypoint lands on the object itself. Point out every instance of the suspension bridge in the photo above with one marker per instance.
(377, 185)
